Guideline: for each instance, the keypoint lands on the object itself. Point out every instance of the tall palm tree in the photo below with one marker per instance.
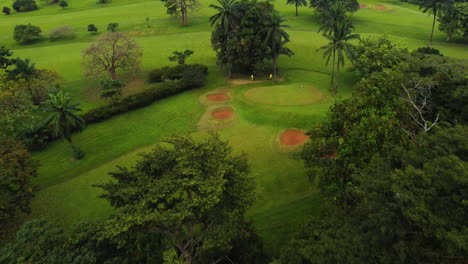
(297, 3)
(338, 48)
(64, 116)
(276, 37)
(227, 18)
(432, 7)
(330, 15)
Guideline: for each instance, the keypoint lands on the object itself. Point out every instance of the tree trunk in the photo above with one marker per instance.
(274, 60)
(296, 7)
(71, 144)
(337, 77)
(183, 11)
(229, 58)
(433, 25)
(113, 74)
(333, 71)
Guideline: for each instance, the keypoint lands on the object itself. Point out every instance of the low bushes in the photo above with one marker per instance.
(62, 32)
(191, 75)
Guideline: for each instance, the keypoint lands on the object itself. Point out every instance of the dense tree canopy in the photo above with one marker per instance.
(17, 168)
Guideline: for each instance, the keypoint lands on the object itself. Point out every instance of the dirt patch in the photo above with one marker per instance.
(381, 8)
(220, 97)
(362, 6)
(293, 137)
(222, 114)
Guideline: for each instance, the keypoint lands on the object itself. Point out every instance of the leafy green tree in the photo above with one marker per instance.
(349, 5)
(432, 7)
(377, 54)
(448, 22)
(24, 5)
(180, 57)
(111, 89)
(26, 33)
(462, 11)
(245, 47)
(23, 69)
(17, 168)
(112, 27)
(92, 28)
(6, 10)
(64, 117)
(227, 18)
(297, 3)
(337, 48)
(109, 53)
(331, 16)
(276, 37)
(194, 193)
(63, 4)
(409, 206)
(181, 8)
(5, 55)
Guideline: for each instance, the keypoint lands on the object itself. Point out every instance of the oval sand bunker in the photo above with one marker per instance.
(293, 137)
(217, 97)
(222, 114)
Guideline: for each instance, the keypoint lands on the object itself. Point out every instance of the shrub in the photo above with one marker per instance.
(112, 27)
(6, 10)
(429, 50)
(155, 75)
(62, 32)
(25, 33)
(92, 28)
(102, 1)
(78, 153)
(63, 3)
(24, 5)
(190, 75)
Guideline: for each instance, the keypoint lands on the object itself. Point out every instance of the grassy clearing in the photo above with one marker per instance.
(66, 195)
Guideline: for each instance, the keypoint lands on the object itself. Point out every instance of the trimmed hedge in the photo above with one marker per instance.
(183, 79)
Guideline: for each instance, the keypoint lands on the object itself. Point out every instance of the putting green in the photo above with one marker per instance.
(287, 95)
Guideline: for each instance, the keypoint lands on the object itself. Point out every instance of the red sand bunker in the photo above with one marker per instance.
(293, 137)
(222, 114)
(362, 6)
(381, 8)
(217, 97)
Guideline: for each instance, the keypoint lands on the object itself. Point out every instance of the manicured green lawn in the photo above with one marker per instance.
(66, 195)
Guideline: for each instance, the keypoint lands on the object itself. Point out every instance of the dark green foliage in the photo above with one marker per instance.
(348, 5)
(377, 54)
(429, 50)
(181, 8)
(34, 135)
(244, 48)
(462, 17)
(6, 10)
(5, 55)
(195, 193)
(112, 27)
(297, 3)
(63, 3)
(180, 57)
(92, 28)
(24, 5)
(64, 117)
(178, 79)
(26, 33)
(23, 69)
(111, 89)
(17, 168)
(103, 1)
(433, 7)
(409, 205)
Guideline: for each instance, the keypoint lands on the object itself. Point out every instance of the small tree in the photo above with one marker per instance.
(6, 10)
(297, 3)
(111, 89)
(112, 27)
(102, 1)
(92, 28)
(16, 170)
(180, 57)
(194, 193)
(65, 118)
(5, 55)
(25, 33)
(181, 8)
(111, 52)
(63, 4)
(24, 5)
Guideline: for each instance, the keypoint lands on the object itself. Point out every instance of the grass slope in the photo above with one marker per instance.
(66, 195)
